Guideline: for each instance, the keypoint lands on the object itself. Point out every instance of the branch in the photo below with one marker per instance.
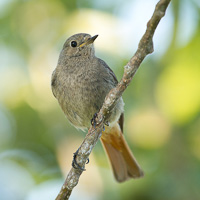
(145, 47)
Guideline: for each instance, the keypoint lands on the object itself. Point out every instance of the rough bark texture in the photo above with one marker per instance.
(145, 47)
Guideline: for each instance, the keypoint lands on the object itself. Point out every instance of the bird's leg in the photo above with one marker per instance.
(106, 123)
(93, 120)
(75, 165)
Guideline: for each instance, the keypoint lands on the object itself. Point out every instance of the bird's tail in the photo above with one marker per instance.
(123, 162)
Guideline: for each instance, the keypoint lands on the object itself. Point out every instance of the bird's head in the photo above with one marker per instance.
(80, 44)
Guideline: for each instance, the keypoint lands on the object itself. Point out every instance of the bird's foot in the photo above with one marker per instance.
(93, 120)
(106, 123)
(75, 165)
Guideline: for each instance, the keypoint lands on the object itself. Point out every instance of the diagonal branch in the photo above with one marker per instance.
(145, 47)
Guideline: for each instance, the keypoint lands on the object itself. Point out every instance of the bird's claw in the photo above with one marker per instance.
(93, 120)
(75, 165)
(106, 123)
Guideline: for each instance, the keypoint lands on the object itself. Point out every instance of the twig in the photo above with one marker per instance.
(145, 47)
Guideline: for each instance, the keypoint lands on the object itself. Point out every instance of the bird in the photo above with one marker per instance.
(80, 83)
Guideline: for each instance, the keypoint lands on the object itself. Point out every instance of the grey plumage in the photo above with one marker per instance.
(81, 81)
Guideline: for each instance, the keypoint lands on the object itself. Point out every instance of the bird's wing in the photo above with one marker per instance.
(53, 82)
(110, 71)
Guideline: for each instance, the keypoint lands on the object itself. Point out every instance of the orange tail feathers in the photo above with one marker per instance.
(123, 162)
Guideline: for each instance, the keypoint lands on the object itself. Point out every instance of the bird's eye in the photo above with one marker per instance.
(73, 43)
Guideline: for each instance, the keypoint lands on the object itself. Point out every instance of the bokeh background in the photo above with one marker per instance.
(162, 104)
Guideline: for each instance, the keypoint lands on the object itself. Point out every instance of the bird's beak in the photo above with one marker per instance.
(89, 41)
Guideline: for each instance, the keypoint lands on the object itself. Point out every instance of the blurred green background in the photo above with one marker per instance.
(162, 104)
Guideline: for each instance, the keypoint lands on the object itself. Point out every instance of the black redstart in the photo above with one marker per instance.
(80, 83)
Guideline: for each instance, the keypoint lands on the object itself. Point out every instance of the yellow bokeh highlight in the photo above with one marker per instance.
(178, 87)
(97, 22)
(148, 129)
(35, 28)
